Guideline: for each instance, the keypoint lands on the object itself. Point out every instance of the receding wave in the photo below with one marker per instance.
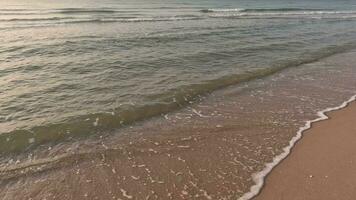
(19, 140)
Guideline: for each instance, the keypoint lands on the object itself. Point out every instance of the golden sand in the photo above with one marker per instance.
(321, 166)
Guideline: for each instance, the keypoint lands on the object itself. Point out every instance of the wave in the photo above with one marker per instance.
(176, 18)
(21, 13)
(265, 13)
(35, 19)
(260, 10)
(259, 177)
(21, 139)
(85, 10)
(73, 20)
(14, 9)
(67, 11)
(80, 11)
(282, 9)
(304, 14)
(134, 19)
(222, 10)
(276, 12)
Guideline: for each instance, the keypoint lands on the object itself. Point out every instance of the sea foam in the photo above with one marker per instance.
(259, 177)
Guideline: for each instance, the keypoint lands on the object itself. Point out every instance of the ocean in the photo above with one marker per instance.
(74, 71)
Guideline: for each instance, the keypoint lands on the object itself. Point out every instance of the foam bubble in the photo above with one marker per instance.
(96, 122)
(31, 140)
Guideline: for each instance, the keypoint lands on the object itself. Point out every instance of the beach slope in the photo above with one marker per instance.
(322, 164)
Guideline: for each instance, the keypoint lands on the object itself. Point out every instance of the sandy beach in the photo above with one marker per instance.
(322, 164)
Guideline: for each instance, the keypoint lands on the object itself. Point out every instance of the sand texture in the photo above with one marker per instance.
(322, 164)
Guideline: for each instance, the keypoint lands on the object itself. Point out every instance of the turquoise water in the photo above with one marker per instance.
(69, 69)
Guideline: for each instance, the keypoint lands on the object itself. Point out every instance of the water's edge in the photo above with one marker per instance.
(259, 177)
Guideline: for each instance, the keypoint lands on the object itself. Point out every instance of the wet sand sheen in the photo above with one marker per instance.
(321, 165)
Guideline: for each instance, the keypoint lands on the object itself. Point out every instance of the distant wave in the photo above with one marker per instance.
(259, 10)
(70, 11)
(240, 12)
(138, 19)
(282, 9)
(15, 9)
(84, 11)
(104, 19)
(36, 19)
(278, 12)
(222, 10)
(285, 15)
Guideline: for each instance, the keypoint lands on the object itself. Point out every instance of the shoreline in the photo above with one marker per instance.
(316, 168)
(260, 177)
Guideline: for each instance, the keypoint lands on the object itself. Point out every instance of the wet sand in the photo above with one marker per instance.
(321, 165)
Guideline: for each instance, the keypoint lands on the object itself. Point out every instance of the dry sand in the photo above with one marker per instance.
(322, 165)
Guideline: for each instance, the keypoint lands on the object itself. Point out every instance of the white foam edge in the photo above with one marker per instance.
(259, 177)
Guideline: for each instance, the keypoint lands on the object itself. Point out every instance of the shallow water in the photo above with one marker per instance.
(63, 68)
(69, 69)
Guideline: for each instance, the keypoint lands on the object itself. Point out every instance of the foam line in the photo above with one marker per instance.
(259, 177)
